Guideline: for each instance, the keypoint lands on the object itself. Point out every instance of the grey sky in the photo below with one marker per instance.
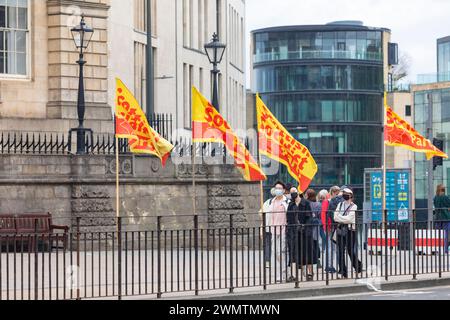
(415, 24)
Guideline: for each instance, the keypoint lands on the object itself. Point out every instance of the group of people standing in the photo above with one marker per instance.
(303, 228)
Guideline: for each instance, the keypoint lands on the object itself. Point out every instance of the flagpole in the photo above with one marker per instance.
(117, 182)
(194, 184)
(384, 160)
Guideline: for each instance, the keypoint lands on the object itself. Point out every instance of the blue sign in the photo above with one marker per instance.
(397, 195)
(376, 187)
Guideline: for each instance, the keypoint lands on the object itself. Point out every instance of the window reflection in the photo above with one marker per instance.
(361, 45)
(300, 108)
(295, 78)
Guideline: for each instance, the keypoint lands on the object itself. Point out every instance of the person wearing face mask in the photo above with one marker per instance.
(345, 234)
(288, 192)
(292, 229)
(301, 248)
(277, 225)
(267, 232)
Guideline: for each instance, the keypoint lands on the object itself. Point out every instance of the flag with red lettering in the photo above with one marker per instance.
(132, 124)
(399, 133)
(278, 144)
(209, 126)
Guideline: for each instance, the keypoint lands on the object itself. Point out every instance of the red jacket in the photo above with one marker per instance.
(327, 225)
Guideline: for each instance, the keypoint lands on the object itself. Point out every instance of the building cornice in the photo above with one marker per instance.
(78, 3)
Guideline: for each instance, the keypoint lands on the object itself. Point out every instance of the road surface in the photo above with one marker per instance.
(431, 294)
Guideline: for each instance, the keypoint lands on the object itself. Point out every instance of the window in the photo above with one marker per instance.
(408, 111)
(14, 33)
(140, 72)
(200, 25)
(186, 17)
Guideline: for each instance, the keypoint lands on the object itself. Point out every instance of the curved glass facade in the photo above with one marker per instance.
(358, 45)
(305, 108)
(319, 77)
(328, 92)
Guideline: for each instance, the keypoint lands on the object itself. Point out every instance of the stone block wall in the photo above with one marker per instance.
(83, 187)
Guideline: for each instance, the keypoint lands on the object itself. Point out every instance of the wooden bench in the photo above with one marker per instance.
(27, 228)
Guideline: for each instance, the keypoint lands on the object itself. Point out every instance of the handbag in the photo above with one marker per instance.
(342, 229)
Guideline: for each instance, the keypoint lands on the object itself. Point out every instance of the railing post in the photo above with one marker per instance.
(158, 232)
(196, 253)
(386, 245)
(327, 254)
(36, 264)
(78, 258)
(264, 237)
(439, 244)
(231, 255)
(413, 227)
(119, 256)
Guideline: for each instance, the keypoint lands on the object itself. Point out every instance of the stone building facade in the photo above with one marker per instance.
(39, 74)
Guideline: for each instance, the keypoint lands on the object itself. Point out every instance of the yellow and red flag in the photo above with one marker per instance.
(278, 144)
(209, 126)
(132, 124)
(399, 133)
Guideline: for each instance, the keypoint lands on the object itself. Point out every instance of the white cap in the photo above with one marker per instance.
(347, 191)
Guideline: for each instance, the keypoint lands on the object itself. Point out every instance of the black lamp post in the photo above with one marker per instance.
(214, 51)
(82, 36)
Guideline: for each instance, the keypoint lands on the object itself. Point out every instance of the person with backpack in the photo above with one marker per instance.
(345, 234)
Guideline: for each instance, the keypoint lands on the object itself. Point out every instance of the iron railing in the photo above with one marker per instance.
(22, 142)
(157, 258)
(59, 144)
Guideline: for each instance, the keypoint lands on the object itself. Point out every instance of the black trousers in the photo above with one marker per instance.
(347, 246)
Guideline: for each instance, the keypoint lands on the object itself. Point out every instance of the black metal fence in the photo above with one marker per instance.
(22, 142)
(156, 258)
(51, 143)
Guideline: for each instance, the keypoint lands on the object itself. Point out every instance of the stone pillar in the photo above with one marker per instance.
(63, 69)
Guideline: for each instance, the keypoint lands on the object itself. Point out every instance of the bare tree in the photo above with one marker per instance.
(402, 70)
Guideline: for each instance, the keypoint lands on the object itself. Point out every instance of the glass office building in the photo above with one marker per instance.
(443, 50)
(326, 84)
(441, 130)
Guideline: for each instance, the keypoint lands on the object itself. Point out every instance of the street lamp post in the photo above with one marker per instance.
(215, 51)
(82, 36)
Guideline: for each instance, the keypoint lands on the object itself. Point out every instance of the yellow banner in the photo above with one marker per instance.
(278, 144)
(399, 133)
(132, 124)
(209, 126)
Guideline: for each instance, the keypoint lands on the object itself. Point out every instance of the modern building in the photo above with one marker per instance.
(325, 83)
(39, 74)
(443, 50)
(439, 104)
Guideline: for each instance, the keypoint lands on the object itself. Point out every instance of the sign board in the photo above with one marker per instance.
(398, 197)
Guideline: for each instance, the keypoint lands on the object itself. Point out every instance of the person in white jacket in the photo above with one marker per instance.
(346, 236)
(267, 232)
(275, 210)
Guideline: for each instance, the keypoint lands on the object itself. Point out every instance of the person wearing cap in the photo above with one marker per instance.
(345, 233)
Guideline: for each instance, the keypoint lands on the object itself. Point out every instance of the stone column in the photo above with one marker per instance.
(63, 69)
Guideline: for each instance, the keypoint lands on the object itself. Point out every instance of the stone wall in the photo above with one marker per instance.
(84, 186)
